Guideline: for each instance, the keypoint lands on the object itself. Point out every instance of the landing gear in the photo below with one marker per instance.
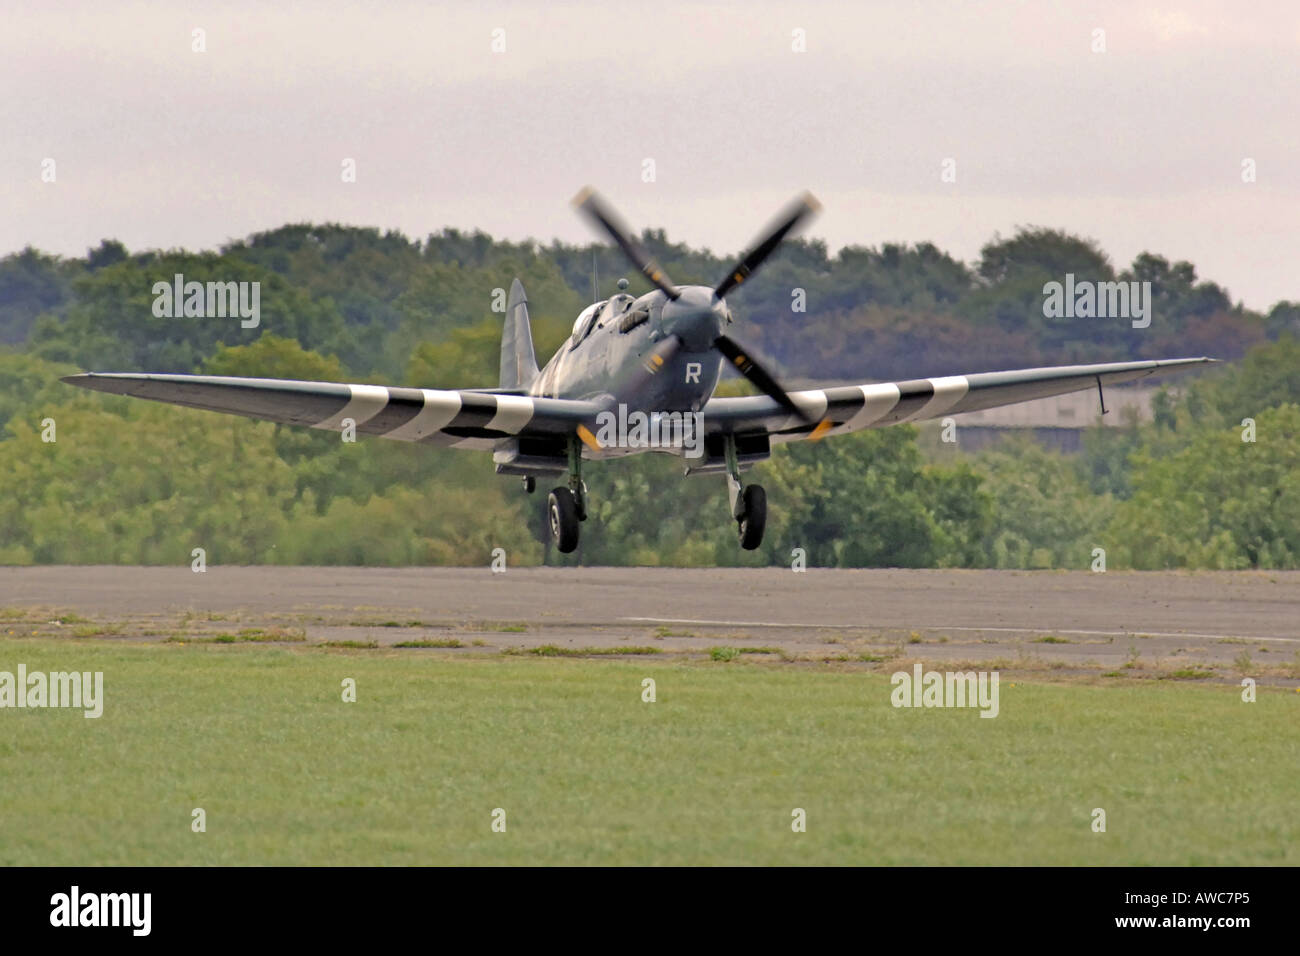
(754, 500)
(748, 502)
(563, 514)
(567, 507)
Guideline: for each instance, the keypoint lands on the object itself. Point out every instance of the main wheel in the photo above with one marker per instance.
(563, 513)
(754, 500)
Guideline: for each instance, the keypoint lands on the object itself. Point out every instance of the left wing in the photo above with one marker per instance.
(463, 418)
(847, 408)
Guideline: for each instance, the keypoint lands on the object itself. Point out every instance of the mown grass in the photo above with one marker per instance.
(288, 773)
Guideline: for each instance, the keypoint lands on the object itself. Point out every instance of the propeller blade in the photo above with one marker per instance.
(590, 204)
(747, 367)
(800, 210)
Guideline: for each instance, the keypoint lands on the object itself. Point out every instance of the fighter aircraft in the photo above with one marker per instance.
(659, 354)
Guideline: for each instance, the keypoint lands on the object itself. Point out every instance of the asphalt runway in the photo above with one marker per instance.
(1153, 622)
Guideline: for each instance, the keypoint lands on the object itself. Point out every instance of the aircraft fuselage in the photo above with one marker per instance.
(612, 341)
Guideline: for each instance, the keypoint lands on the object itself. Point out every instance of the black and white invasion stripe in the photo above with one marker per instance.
(852, 407)
(460, 419)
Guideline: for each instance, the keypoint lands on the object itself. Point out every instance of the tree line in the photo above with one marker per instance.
(133, 482)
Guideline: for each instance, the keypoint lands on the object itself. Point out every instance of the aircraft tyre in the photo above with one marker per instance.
(562, 513)
(754, 499)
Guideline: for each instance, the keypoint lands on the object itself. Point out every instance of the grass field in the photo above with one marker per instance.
(287, 773)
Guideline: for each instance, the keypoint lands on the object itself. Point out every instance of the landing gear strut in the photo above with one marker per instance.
(748, 502)
(567, 507)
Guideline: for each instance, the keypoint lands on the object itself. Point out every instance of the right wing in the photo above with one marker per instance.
(462, 418)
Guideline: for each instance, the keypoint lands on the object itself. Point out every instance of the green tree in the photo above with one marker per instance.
(1047, 517)
(112, 326)
(144, 486)
(273, 356)
(1216, 502)
(32, 284)
(867, 500)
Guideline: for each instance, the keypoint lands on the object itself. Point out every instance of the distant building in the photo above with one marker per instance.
(1056, 422)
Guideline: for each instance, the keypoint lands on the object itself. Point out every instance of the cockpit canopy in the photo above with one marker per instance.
(598, 313)
(585, 318)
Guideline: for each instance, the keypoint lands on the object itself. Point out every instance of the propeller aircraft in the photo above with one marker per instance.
(659, 354)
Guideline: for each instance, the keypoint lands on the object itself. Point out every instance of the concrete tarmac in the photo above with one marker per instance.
(1152, 623)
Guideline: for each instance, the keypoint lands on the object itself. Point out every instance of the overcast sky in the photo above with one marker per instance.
(1140, 146)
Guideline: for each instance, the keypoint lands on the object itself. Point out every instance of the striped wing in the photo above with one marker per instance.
(851, 407)
(462, 419)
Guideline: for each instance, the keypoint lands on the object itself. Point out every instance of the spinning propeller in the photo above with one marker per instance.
(602, 215)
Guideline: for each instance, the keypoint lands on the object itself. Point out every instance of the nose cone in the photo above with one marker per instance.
(696, 317)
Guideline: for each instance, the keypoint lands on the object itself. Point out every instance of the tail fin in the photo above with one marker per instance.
(518, 363)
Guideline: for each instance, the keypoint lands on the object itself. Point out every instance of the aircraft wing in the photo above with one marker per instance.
(848, 408)
(463, 418)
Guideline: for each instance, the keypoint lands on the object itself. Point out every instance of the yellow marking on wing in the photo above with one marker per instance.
(822, 428)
